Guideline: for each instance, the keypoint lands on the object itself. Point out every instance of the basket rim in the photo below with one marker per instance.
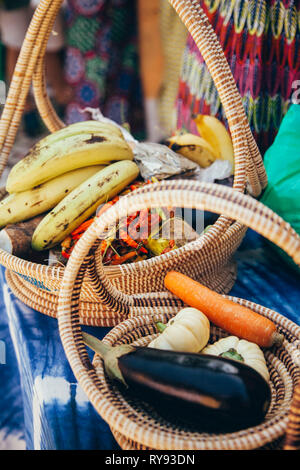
(90, 311)
(40, 271)
(265, 432)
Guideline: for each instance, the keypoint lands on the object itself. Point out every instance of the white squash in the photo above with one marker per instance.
(188, 331)
(240, 349)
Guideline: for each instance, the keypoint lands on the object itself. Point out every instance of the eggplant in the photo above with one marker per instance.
(210, 393)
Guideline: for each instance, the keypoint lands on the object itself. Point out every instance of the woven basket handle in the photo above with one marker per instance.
(189, 194)
(198, 25)
(185, 194)
(31, 64)
(32, 49)
(248, 162)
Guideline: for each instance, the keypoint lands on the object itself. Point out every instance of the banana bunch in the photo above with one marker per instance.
(70, 173)
(18, 207)
(82, 202)
(214, 142)
(79, 145)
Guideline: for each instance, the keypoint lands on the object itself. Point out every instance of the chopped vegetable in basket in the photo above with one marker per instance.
(137, 237)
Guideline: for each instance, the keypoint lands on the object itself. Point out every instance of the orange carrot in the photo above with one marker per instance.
(231, 317)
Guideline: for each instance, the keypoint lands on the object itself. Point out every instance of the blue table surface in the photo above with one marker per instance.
(42, 400)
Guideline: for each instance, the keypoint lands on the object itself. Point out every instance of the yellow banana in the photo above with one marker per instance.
(19, 207)
(82, 202)
(216, 134)
(85, 127)
(193, 147)
(67, 153)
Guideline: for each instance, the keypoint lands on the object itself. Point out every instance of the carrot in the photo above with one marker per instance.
(231, 317)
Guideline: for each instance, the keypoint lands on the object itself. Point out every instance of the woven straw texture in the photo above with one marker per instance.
(137, 426)
(134, 426)
(209, 258)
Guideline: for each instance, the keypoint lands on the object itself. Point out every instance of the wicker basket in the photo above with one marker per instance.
(209, 258)
(134, 426)
(139, 427)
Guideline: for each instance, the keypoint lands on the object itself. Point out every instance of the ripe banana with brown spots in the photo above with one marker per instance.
(19, 207)
(193, 147)
(84, 144)
(76, 129)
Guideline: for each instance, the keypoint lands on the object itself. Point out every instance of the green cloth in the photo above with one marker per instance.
(14, 4)
(282, 163)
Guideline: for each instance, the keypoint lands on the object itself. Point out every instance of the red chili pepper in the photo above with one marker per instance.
(144, 217)
(142, 249)
(82, 228)
(169, 247)
(133, 229)
(65, 254)
(154, 220)
(127, 239)
(130, 218)
(144, 224)
(107, 205)
(130, 242)
(103, 246)
(76, 237)
(122, 259)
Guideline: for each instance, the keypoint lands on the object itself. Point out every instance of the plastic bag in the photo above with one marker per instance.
(282, 163)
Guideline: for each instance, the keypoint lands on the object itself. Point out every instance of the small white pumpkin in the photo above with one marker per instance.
(240, 349)
(188, 331)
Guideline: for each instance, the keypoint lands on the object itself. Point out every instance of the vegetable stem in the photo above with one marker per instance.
(161, 326)
(277, 338)
(109, 354)
(96, 345)
(232, 354)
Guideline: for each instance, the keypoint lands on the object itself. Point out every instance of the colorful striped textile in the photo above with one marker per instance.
(171, 27)
(261, 41)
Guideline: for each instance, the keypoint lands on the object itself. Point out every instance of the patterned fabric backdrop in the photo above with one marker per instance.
(261, 41)
(102, 60)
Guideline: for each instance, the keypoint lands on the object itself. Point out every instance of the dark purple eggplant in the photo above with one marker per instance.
(212, 393)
